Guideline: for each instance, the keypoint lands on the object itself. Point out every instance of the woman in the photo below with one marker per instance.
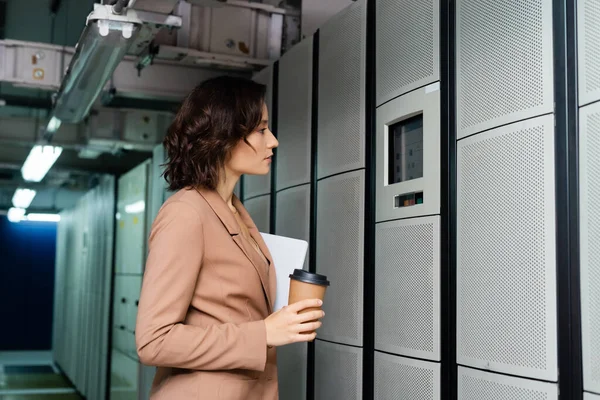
(205, 311)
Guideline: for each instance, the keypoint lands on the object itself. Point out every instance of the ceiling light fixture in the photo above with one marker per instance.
(42, 217)
(15, 214)
(102, 46)
(39, 161)
(23, 197)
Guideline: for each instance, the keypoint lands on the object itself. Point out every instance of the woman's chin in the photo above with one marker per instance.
(258, 172)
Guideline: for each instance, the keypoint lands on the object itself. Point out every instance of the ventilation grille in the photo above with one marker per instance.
(338, 372)
(590, 244)
(340, 242)
(291, 371)
(407, 275)
(265, 77)
(294, 116)
(342, 92)
(259, 209)
(478, 385)
(589, 51)
(257, 185)
(403, 378)
(293, 212)
(504, 62)
(407, 46)
(506, 250)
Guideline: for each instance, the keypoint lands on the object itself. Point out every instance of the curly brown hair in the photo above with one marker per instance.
(211, 121)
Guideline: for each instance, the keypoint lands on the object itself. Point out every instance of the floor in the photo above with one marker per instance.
(32, 376)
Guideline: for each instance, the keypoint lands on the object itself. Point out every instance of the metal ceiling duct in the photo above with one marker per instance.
(102, 46)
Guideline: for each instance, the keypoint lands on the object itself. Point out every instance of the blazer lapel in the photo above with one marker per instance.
(218, 205)
(264, 270)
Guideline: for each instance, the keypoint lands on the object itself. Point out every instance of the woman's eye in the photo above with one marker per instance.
(263, 130)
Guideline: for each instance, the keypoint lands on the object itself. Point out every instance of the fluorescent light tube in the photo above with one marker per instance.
(101, 47)
(53, 125)
(43, 217)
(38, 163)
(23, 198)
(136, 207)
(15, 214)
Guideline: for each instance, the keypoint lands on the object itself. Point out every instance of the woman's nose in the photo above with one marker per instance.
(273, 142)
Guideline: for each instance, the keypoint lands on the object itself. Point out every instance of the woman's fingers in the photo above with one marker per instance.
(303, 304)
(306, 337)
(308, 327)
(310, 316)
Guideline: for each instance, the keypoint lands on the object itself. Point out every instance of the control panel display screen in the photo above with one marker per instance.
(406, 150)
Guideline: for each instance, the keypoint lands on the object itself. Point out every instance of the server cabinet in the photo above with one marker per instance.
(338, 372)
(408, 155)
(340, 255)
(589, 225)
(341, 117)
(407, 278)
(293, 213)
(406, 378)
(504, 63)
(138, 199)
(257, 185)
(260, 209)
(479, 385)
(588, 39)
(294, 116)
(407, 48)
(131, 220)
(506, 266)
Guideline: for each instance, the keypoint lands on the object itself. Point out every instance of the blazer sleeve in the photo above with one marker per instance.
(176, 248)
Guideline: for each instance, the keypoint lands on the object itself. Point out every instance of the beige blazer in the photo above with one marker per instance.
(205, 294)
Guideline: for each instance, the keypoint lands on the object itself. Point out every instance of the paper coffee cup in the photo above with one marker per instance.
(306, 285)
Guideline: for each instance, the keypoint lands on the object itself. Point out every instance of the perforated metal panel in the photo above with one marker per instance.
(338, 372)
(479, 385)
(407, 279)
(590, 243)
(504, 62)
(256, 185)
(316, 12)
(259, 209)
(293, 212)
(265, 77)
(292, 371)
(342, 92)
(340, 243)
(588, 28)
(294, 115)
(398, 378)
(407, 46)
(506, 270)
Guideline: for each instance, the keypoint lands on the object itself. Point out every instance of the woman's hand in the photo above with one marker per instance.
(287, 325)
